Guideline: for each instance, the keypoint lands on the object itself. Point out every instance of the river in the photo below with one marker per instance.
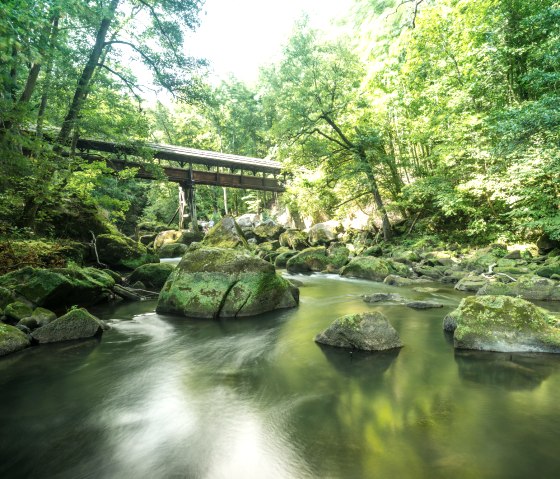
(168, 397)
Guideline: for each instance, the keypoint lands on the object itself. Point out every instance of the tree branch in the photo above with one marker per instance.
(127, 82)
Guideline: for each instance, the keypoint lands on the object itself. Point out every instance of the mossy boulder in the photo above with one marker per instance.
(267, 232)
(6, 297)
(481, 260)
(188, 237)
(395, 280)
(405, 256)
(338, 255)
(324, 233)
(40, 317)
(375, 269)
(12, 339)
(76, 324)
(294, 239)
(226, 234)
(282, 259)
(549, 268)
(441, 258)
(369, 331)
(17, 310)
(167, 237)
(502, 323)
(152, 275)
(172, 250)
(308, 260)
(218, 282)
(471, 283)
(59, 287)
(119, 251)
(530, 287)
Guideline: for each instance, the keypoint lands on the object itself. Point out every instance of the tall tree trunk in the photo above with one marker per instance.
(89, 69)
(13, 73)
(48, 75)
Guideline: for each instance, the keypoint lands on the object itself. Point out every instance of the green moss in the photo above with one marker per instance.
(11, 339)
(310, 259)
(495, 319)
(350, 321)
(122, 252)
(153, 275)
(17, 311)
(375, 269)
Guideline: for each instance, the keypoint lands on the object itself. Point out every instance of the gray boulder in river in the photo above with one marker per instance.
(76, 324)
(11, 339)
(226, 283)
(369, 331)
(502, 323)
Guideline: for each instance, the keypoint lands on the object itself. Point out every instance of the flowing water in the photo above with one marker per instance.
(168, 397)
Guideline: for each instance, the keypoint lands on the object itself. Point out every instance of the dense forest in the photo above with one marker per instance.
(433, 117)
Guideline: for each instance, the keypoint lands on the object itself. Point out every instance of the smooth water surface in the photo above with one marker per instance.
(168, 397)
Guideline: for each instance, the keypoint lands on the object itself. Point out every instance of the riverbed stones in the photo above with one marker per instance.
(294, 239)
(375, 269)
(152, 275)
(369, 331)
(226, 234)
(59, 287)
(502, 323)
(423, 304)
(12, 339)
(172, 250)
(308, 260)
(76, 324)
(121, 252)
(225, 283)
(17, 310)
(472, 283)
(378, 297)
(529, 287)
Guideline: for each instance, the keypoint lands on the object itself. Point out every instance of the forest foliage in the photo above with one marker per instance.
(440, 116)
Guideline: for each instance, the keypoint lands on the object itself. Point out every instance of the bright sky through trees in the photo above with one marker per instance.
(239, 36)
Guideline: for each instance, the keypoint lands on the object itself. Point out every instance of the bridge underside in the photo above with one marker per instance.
(186, 176)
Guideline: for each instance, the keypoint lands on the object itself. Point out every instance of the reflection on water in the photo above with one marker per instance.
(511, 371)
(167, 397)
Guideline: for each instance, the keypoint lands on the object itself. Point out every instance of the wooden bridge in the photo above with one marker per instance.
(243, 171)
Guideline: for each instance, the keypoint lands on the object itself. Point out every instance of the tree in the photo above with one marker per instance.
(322, 118)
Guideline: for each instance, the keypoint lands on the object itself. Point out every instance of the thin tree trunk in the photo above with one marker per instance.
(48, 76)
(13, 74)
(89, 69)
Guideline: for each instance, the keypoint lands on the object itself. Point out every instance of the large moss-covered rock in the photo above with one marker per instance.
(218, 282)
(119, 251)
(40, 317)
(11, 339)
(172, 250)
(76, 324)
(59, 287)
(367, 331)
(226, 234)
(308, 260)
(502, 323)
(375, 269)
(530, 287)
(189, 237)
(152, 275)
(267, 232)
(17, 310)
(549, 268)
(294, 239)
(338, 255)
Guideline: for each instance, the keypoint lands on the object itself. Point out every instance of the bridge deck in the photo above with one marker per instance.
(184, 155)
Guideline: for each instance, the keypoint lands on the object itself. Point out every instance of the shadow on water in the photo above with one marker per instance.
(511, 371)
(359, 364)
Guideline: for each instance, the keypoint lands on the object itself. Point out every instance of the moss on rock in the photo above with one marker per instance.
(308, 260)
(17, 310)
(217, 282)
(119, 251)
(226, 234)
(367, 331)
(59, 287)
(76, 324)
(294, 239)
(11, 339)
(502, 323)
(152, 275)
(530, 287)
(172, 250)
(375, 269)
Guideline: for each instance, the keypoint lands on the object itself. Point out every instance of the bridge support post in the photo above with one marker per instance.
(189, 199)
